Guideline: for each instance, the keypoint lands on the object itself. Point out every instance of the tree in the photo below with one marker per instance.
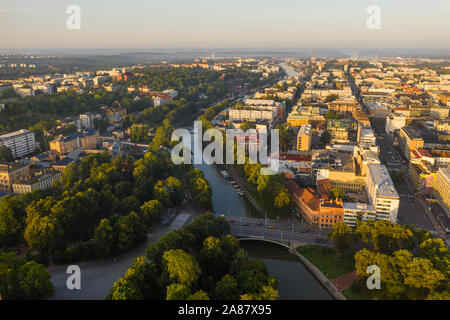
(21, 280)
(199, 295)
(330, 115)
(139, 133)
(12, 217)
(6, 154)
(35, 281)
(163, 194)
(245, 126)
(252, 276)
(342, 236)
(176, 291)
(176, 190)
(325, 138)
(182, 266)
(337, 193)
(43, 233)
(227, 288)
(139, 282)
(331, 97)
(151, 212)
(130, 231)
(212, 258)
(104, 237)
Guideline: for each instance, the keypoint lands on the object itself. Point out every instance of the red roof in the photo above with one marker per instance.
(294, 157)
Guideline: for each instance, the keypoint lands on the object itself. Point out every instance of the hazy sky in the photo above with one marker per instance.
(224, 23)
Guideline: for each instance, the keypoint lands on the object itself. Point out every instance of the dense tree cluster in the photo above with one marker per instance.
(270, 190)
(42, 111)
(199, 262)
(102, 206)
(23, 280)
(413, 264)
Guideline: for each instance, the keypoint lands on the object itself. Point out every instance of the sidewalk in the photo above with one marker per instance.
(345, 281)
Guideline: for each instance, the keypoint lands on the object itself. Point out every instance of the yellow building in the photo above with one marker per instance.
(40, 182)
(64, 145)
(441, 186)
(304, 137)
(409, 140)
(90, 139)
(348, 181)
(9, 173)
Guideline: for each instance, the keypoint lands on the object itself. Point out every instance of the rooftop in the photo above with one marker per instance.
(382, 179)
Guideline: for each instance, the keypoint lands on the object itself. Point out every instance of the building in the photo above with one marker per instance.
(39, 182)
(358, 211)
(441, 186)
(21, 142)
(338, 130)
(65, 144)
(90, 139)
(304, 138)
(61, 165)
(9, 173)
(394, 122)
(318, 211)
(87, 119)
(343, 106)
(382, 193)
(301, 115)
(409, 139)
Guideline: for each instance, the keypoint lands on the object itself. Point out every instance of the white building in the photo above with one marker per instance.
(358, 211)
(252, 115)
(394, 121)
(21, 142)
(382, 193)
(87, 119)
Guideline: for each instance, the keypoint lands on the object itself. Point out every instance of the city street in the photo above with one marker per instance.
(412, 211)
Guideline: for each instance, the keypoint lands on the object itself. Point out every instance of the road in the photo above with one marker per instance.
(97, 277)
(411, 211)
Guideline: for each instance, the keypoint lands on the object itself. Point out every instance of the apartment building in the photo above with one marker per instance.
(382, 193)
(409, 139)
(39, 182)
(21, 142)
(394, 122)
(304, 138)
(317, 210)
(345, 106)
(441, 186)
(87, 119)
(9, 173)
(338, 130)
(87, 139)
(301, 115)
(65, 144)
(358, 211)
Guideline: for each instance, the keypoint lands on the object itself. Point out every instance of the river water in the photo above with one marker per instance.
(294, 280)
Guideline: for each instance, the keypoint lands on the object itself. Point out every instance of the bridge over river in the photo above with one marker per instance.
(283, 233)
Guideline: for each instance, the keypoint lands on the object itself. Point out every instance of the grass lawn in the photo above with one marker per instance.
(328, 260)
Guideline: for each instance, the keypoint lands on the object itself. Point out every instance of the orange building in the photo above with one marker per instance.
(317, 210)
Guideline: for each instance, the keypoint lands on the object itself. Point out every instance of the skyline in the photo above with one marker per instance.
(204, 24)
